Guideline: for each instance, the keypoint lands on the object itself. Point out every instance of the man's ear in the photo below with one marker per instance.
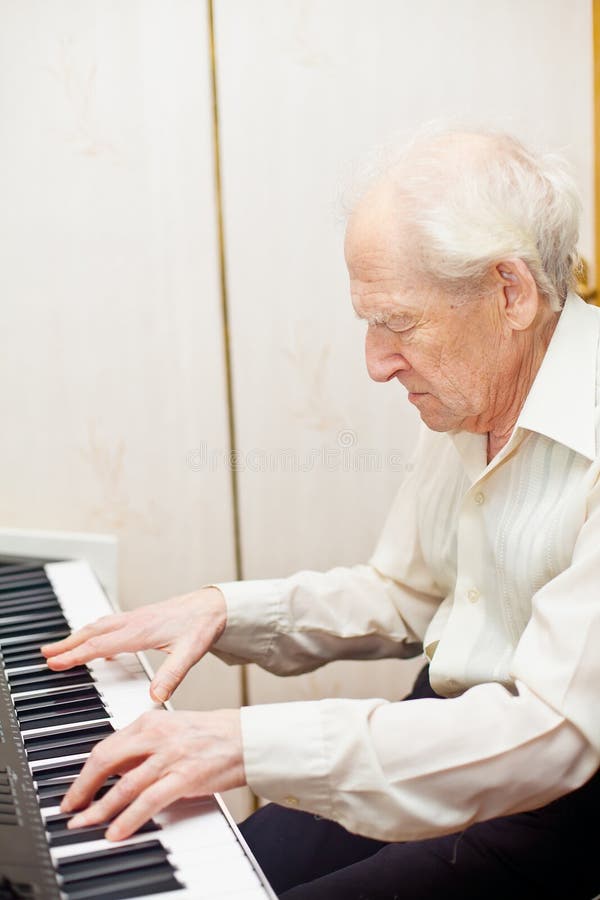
(518, 293)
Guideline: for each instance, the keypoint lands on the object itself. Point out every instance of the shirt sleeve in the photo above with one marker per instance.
(417, 769)
(381, 609)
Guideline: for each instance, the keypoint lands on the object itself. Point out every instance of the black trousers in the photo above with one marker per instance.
(551, 853)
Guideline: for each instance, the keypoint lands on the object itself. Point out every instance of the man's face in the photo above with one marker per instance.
(444, 352)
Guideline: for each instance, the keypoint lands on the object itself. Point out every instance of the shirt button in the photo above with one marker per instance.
(291, 800)
(479, 498)
(473, 595)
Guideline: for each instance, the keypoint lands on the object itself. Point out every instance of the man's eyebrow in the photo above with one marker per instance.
(382, 318)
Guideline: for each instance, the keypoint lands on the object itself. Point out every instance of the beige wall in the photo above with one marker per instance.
(113, 396)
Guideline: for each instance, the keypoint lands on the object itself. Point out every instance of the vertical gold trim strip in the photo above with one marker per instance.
(596, 33)
(239, 574)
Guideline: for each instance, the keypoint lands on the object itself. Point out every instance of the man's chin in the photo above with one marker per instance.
(438, 419)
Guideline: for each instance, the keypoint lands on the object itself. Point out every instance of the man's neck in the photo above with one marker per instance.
(522, 376)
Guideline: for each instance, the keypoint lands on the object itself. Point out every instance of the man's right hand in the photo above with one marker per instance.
(184, 627)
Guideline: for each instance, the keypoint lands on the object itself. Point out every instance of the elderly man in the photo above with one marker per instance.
(460, 258)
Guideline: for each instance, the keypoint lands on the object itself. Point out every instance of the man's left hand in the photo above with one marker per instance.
(161, 757)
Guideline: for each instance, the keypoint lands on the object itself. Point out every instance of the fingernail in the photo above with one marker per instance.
(66, 805)
(77, 821)
(113, 833)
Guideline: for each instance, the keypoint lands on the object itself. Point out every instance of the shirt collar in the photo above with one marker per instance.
(562, 400)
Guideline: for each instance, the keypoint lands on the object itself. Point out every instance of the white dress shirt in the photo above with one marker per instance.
(495, 570)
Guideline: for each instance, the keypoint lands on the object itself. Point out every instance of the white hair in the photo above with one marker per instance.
(475, 198)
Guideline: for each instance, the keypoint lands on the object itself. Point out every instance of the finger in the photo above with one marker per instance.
(124, 792)
(97, 647)
(172, 671)
(107, 758)
(100, 626)
(148, 804)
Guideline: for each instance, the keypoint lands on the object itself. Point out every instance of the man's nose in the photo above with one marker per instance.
(383, 359)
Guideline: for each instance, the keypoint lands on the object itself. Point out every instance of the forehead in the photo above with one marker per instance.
(380, 260)
(375, 227)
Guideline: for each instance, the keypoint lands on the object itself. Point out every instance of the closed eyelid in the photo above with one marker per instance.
(400, 326)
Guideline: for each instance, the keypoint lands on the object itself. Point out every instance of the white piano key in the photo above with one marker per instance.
(40, 763)
(199, 844)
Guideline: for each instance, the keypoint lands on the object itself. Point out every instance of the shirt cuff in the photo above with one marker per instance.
(254, 617)
(285, 758)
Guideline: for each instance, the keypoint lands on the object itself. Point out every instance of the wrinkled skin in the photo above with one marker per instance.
(467, 364)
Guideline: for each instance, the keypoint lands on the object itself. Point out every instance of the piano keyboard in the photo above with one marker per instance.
(49, 722)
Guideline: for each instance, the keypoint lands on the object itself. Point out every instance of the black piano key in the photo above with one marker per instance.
(38, 616)
(37, 681)
(52, 674)
(21, 568)
(33, 669)
(24, 646)
(78, 739)
(59, 834)
(20, 614)
(56, 622)
(52, 793)
(20, 660)
(24, 585)
(119, 886)
(82, 746)
(89, 709)
(73, 694)
(60, 820)
(48, 636)
(41, 688)
(66, 706)
(45, 802)
(81, 715)
(50, 772)
(28, 602)
(54, 788)
(10, 590)
(25, 661)
(64, 735)
(25, 599)
(14, 651)
(23, 580)
(113, 859)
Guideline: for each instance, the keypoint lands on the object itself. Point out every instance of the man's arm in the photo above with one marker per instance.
(296, 624)
(382, 609)
(402, 771)
(416, 769)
